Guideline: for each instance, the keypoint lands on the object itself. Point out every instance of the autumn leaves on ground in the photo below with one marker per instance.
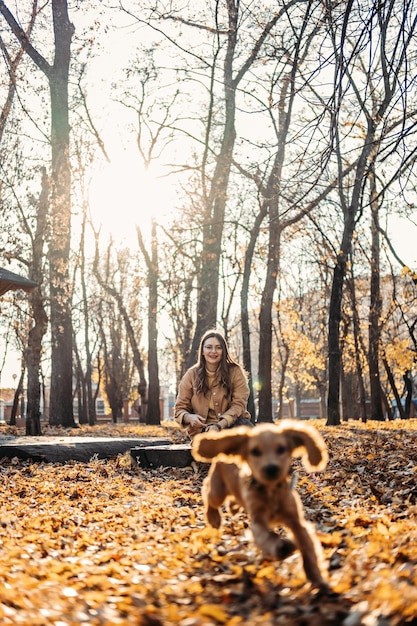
(108, 543)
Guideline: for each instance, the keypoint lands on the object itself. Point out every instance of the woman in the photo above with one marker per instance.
(212, 394)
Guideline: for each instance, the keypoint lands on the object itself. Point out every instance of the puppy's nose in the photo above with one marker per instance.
(271, 471)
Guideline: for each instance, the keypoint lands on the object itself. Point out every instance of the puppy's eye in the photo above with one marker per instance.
(281, 450)
(255, 452)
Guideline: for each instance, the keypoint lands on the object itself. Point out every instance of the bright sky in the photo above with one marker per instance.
(404, 239)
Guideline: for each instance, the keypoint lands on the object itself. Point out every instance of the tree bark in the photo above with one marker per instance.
(60, 406)
(357, 344)
(87, 381)
(375, 308)
(17, 394)
(153, 415)
(40, 326)
(244, 310)
(265, 319)
(393, 386)
(335, 306)
(408, 387)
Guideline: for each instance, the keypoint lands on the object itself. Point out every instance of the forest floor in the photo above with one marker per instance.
(107, 543)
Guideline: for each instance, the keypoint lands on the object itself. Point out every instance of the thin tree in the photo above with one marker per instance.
(375, 308)
(38, 330)
(117, 295)
(153, 415)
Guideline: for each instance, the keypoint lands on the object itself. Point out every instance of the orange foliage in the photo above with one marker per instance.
(107, 543)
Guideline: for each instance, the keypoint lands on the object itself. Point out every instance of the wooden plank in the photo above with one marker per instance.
(62, 449)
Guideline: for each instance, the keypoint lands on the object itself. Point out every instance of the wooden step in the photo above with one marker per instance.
(174, 455)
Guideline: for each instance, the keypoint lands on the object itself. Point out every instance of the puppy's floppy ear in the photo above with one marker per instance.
(305, 436)
(207, 446)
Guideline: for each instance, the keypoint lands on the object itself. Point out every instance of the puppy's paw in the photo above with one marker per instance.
(324, 589)
(284, 548)
(213, 517)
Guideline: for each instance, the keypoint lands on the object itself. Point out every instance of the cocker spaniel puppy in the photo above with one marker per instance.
(251, 465)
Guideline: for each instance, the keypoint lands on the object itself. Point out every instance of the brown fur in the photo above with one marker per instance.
(252, 466)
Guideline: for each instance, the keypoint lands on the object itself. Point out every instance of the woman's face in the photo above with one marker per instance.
(213, 352)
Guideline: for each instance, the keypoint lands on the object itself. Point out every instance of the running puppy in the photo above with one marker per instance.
(253, 469)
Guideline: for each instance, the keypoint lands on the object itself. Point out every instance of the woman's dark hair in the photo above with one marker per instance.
(224, 371)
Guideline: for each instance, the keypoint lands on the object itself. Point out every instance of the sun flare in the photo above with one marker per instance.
(125, 195)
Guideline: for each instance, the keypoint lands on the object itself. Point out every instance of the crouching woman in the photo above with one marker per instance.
(213, 394)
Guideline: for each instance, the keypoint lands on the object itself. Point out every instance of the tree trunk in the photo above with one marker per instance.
(32, 358)
(387, 406)
(391, 381)
(154, 411)
(357, 343)
(244, 311)
(408, 386)
(272, 204)
(284, 362)
(271, 194)
(37, 332)
(87, 380)
(322, 392)
(60, 406)
(345, 394)
(80, 387)
(114, 390)
(339, 274)
(375, 307)
(335, 307)
(17, 395)
(265, 322)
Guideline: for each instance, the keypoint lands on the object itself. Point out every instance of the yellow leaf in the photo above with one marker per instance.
(195, 587)
(331, 539)
(343, 586)
(381, 528)
(266, 572)
(214, 611)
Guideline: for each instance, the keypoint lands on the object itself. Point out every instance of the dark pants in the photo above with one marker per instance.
(242, 421)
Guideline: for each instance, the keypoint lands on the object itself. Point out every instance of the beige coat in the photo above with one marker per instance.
(229, 408)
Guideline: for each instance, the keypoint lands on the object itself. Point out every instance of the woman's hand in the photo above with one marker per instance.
(214, 428)
(194, 422)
